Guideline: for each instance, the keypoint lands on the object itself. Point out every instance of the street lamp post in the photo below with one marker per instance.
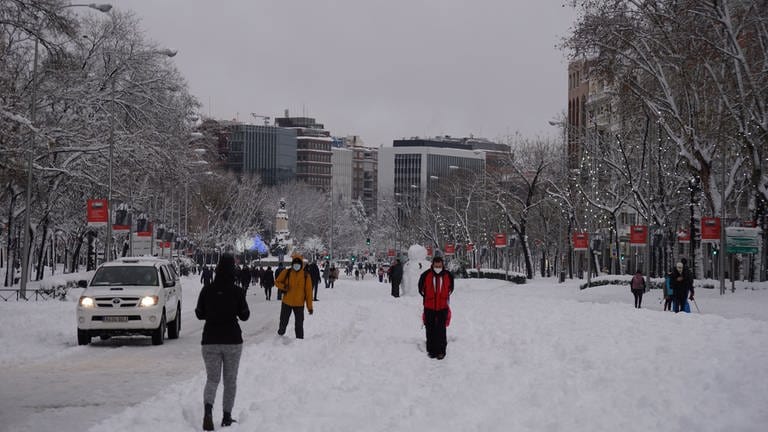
(30, 161)
(108, 242)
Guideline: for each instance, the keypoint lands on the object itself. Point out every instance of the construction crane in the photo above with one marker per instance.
(257, 116)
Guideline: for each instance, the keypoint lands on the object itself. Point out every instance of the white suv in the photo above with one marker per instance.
(130, 296)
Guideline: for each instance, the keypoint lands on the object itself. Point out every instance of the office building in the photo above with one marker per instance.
(313, 150)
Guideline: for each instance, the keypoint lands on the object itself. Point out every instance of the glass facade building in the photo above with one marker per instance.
(267, 151)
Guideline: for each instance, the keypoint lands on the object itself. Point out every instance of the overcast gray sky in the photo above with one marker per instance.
(381, 69)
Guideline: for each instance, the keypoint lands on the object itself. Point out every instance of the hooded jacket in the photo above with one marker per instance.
(220, 304)
(296, 286)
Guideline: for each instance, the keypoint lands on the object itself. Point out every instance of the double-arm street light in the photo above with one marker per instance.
(30, 162)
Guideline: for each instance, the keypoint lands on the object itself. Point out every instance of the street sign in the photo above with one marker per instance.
(638, 235)
(470, 247)
(683, 236)
(450, 249)
(710, 229)
(500, 240)
(391, 253)
(742, 240)
(580, 241)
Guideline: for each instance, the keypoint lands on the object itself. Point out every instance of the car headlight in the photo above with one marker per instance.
(149, 301)
(87, 302)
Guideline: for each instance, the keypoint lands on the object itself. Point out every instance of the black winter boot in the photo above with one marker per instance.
(227, 420)
(208, 418)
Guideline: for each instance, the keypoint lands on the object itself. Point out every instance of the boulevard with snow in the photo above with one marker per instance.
(540, 356)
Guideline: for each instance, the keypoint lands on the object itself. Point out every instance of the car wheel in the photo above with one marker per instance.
(83, 338)
(158, 336)
(174, 327)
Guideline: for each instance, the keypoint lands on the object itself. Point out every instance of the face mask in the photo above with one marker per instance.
(437, 269)
(297, 267)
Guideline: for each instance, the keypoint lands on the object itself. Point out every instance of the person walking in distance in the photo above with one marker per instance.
(334, 275)
(296, 286)
(436, 287)
(221, 304)
(206, 276)
(314, 275)
(637, 286)
(327, 274)
(245, 278)
(268, 281)
(682, 284)
(396, 277)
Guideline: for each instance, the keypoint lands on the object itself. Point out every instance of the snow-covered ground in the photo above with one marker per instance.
(542, 356)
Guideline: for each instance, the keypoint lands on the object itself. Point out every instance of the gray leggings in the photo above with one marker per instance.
(214, 357)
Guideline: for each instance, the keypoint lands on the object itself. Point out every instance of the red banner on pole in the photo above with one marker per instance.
(450, 249)
(638, 235)
(391, 253)
(146, 230)
(710, 229)
(470, 247)
(98, 212)
(580, 241)
(500, 240)
(123, 219)
(683, 236)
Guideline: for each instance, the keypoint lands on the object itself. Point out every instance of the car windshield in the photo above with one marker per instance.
(127, 275)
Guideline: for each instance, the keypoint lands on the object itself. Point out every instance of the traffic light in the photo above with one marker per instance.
(368, 241)
(352, 258)
(714, 250)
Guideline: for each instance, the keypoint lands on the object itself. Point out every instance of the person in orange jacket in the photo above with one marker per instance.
(436, 286)
(296, 286)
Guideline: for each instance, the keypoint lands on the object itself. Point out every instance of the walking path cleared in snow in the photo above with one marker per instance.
(537, 357)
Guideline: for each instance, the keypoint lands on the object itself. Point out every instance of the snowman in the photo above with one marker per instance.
(412, 270)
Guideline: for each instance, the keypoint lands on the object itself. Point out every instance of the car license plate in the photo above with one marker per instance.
(115, 319)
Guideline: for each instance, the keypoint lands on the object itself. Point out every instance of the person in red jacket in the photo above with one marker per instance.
(436, 286)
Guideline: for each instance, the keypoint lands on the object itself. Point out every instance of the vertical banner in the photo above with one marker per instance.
(638, 235)
(500, 240)
(580, 241)
(470, 247)
(391, 253)
(122, 219)
(97, 212)
(142, 237)
(450, 249)
(710, 229)
(683, 236)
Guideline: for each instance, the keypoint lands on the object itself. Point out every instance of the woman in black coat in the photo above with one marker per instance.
(268, 281)
(220, 304)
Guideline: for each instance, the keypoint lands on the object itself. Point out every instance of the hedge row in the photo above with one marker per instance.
(496, 274)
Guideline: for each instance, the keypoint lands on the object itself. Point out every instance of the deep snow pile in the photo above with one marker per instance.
(524, 358)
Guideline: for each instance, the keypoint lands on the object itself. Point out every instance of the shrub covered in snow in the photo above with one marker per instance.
(517, 278)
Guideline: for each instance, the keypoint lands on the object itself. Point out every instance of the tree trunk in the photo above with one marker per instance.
(43, 249)
(615, 260)
(76, 252)
(526, 252)
(9, 255)
(91, 261)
